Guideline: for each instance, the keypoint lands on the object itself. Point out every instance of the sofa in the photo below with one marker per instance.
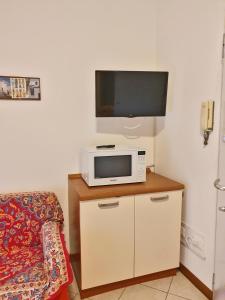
(34, 262)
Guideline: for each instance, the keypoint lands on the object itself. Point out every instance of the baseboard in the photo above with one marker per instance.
(199, 285)
(124, 283)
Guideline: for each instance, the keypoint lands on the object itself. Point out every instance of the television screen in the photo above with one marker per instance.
(130, 93)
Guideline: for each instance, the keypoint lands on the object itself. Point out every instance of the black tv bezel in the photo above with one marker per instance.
(131, 115)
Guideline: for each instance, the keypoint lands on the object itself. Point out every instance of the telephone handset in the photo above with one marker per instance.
(207, 116)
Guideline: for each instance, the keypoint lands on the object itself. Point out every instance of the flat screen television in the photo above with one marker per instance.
(130, 93)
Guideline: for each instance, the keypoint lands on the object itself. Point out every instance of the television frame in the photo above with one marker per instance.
(130, 115)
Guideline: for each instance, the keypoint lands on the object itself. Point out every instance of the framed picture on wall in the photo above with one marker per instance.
(20, 88)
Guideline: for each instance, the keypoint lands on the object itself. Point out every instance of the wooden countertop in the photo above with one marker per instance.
(154, 184)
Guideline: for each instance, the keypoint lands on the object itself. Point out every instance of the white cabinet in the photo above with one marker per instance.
(126, 237)
(157, 232)
(107, 240)
(119, 240)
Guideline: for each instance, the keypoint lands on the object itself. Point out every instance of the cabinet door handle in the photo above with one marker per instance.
(159, 198)
(108, 205)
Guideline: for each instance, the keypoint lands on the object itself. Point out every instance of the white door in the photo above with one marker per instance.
(219, 280)
(107, 240)
(157, 232)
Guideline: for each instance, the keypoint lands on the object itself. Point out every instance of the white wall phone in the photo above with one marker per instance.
(207, 118)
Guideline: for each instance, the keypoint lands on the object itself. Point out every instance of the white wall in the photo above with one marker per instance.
(63, 42)
(189, 46)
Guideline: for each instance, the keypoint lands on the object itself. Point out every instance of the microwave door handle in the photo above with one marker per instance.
(108, 205)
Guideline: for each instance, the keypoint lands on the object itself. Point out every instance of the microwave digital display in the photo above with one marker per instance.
(112, 166)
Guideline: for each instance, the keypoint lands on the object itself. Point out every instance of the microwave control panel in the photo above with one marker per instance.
(141, 169)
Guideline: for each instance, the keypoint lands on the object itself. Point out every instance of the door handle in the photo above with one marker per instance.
(108, 205)
(222, 208)
(218, 186)
(166, 197)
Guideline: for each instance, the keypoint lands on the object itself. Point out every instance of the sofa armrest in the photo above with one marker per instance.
(56, 258)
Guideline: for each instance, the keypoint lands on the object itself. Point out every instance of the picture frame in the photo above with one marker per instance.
(20, 88)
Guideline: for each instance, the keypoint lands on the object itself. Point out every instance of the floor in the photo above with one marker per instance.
(172, 288)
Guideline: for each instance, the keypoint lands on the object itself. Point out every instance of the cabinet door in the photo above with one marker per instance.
(107, 240)
(157, 232)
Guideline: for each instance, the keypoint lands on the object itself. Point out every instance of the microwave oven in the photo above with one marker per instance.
(117, 165)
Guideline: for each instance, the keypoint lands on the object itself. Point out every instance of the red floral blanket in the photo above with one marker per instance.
(34, 263)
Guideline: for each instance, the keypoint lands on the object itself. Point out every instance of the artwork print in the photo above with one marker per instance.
(19, 88)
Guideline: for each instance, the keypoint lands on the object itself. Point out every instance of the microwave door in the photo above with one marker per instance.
(115, 166)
